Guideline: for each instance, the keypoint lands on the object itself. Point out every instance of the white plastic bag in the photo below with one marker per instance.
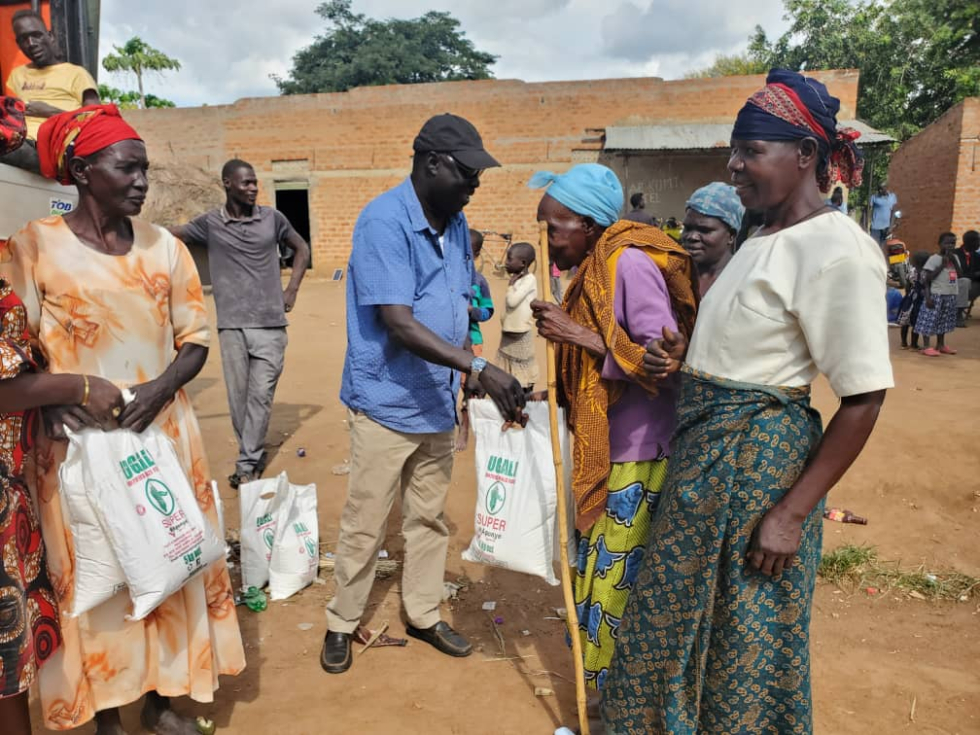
(296, 549)
(149, 512)
(98, 576)
(514, 525)
(260, 502)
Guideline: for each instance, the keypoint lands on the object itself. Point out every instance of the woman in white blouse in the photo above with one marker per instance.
(715, 638)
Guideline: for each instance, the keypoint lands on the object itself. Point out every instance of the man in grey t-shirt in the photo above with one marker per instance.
(243, 242)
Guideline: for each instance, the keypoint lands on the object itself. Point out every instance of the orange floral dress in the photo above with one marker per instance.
(121, 318)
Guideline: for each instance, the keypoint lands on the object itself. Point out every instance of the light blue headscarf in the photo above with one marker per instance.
(589, 189)
(720, 201)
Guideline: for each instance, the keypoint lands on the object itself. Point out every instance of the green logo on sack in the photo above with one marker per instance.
(269, 537)
(496, 497)
(311, 548)
(160, 497)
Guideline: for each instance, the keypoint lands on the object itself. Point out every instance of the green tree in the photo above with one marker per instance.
(730, 66)
(917, 58)
(358, 51)
(130, 100)
(137, 57)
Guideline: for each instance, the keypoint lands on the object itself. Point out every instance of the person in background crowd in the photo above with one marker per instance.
(908, 311)
(634, 285)
(968, 275)
(481, 310)
(715, 637)
(409, 290)
(672, 228)
(110, 295)
(243, 241)
(940, 288)
(516, 353)
(711, 223)
(882, 213)
(556, 293)
(47, 85)
(639, 212)
(837, 200)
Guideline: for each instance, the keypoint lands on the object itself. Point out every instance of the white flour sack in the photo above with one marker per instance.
(296, 549)
(98, 575)
(149, 512)
(260, 502)
(516, 496)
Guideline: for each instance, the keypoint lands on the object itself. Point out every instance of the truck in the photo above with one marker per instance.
(24, 194)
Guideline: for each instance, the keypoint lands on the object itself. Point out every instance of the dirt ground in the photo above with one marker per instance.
(876, 659)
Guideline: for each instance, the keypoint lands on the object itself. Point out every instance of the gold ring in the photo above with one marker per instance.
(115, 412)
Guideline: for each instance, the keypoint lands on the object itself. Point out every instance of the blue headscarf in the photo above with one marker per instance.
(589, 189)
(793, 107)
(719, 201)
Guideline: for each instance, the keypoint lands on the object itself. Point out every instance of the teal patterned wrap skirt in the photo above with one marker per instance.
(708, 645)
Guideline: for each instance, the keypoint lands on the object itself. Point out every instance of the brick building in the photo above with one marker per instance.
(936, 176)
(321, 158)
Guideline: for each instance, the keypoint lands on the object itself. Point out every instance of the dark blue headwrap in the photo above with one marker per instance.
(793, 107)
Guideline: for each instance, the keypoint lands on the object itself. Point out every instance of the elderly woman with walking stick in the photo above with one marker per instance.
(715, 637)
(634, 284)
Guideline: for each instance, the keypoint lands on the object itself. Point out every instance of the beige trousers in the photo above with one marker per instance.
(386, 463)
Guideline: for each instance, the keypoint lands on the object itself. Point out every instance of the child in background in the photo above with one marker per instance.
(516, 354)
(937, 316)
(481, 310)
(908, 312)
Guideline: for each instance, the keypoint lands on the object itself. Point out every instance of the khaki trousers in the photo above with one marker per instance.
(386, 463)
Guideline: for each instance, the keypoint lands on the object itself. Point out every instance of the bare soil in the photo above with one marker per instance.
(882, 664)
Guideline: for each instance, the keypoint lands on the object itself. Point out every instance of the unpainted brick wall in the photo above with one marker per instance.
(349, 147)
(935, 176)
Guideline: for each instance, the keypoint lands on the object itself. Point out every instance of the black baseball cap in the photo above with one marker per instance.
(452, 134)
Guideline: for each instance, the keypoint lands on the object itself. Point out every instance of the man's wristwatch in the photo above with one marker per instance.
(478, 365)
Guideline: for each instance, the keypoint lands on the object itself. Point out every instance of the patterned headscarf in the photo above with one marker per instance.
(792, 107)
(13, 129)
(719, 201)
(589, 189)
(79, 133)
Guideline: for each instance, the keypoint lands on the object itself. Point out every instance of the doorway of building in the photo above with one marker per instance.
(295, 204)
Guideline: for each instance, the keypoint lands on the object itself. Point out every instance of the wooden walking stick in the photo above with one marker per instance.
(571, 615)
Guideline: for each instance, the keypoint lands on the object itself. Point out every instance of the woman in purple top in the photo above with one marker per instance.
(619, 301)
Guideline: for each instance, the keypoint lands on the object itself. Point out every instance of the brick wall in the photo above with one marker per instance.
(966, 205)
(349, 147)
(935, 176)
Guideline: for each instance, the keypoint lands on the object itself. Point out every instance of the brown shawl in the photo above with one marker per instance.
(589, 301)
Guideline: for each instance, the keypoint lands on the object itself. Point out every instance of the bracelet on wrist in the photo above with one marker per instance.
(85, 392)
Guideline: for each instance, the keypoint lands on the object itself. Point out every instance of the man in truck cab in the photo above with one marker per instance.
(47, 85)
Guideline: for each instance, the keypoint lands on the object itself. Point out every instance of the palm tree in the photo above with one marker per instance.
(138, 57)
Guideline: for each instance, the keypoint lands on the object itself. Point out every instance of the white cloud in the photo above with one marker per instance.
(228, 48)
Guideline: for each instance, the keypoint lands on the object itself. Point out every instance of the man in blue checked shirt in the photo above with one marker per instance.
(408, 298)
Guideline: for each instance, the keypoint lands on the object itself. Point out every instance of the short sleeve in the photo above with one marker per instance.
(842, 314)
(935, 263)
(284, 227)
(196, 231)
(188, 313)
(18, 260)
(82, 82)
(14, 82)
(381, 261)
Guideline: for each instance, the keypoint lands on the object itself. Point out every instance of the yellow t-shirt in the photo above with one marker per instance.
(59, 85)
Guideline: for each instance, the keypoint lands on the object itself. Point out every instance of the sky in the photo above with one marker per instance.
(229, 48)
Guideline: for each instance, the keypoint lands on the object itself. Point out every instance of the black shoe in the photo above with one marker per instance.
(442, 637)
(238, 479)
(336, 656)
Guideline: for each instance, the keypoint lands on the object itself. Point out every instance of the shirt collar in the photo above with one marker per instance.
(226, 216)
(416, 214)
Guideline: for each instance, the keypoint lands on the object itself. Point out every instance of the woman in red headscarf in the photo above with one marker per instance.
(715, 637)
(109, 295)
